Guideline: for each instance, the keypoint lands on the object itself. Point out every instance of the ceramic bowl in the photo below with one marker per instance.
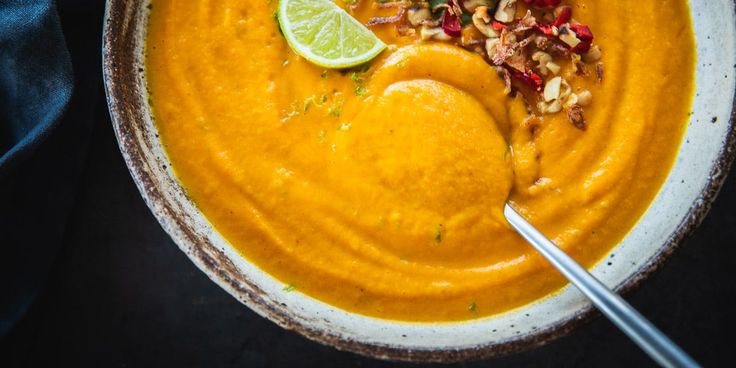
(702, 163)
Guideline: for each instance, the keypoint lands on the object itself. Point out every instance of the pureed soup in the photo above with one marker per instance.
(379, 189)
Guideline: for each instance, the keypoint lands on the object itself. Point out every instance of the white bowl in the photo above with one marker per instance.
(702, 163)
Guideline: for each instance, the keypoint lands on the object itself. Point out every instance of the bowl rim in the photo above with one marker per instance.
(119, 69)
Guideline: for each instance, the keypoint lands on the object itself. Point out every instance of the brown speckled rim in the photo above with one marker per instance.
(123, 87)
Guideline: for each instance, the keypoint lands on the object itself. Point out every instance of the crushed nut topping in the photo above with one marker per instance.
(532, 54)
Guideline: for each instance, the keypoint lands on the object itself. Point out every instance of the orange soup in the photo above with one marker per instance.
(379, 189)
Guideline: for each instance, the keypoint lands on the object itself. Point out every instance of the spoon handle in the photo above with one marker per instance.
(658, 346)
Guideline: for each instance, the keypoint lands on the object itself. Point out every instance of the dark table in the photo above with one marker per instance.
(121, 294)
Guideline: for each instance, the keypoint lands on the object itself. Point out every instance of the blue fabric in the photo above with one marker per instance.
(44, 129)
(35, 77)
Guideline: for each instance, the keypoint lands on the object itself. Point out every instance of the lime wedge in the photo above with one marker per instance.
(326, 35)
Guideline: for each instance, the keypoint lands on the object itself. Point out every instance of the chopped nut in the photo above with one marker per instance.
(426, 33)
(442, 36)
(528, 52)
(511, 52)
(577, 65)
(554, 68)
(433, 33)
(575, 114)
(455, 8)
(491, 45)
(549, 108)
(471, 5)
(506, 11)
(526, 22)
(599, 72)
(585, 98)
(593, 55)
(471, 37)
(570, 101)
(550, 46)
(542, 58)
(418, 15)
(482, 21)
(568, 36)
(552, 89)
(565, 89)
(542, 107)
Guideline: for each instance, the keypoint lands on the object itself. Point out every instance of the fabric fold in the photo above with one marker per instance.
(50, 86)
(36, 78)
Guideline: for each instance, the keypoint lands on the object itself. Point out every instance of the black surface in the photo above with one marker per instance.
(122, 295)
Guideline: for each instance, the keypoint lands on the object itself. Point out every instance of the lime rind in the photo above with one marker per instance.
(317, 30)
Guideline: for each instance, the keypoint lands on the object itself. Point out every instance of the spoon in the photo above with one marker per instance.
(658, 346)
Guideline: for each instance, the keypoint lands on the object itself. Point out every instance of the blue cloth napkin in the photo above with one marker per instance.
(35, 77)
(44, 129)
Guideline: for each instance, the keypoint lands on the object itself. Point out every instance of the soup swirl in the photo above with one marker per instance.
(380, 189)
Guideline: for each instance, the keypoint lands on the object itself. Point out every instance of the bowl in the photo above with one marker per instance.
(700, 168)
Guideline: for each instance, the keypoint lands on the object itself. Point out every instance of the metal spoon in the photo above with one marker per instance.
(658, 346)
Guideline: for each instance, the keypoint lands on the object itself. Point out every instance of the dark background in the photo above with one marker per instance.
(121, 294)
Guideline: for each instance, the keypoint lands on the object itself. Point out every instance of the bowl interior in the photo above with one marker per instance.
(701, 165)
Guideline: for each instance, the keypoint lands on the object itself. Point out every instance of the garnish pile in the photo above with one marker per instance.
(529, 52)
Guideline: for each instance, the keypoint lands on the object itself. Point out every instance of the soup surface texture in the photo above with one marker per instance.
(379, 190)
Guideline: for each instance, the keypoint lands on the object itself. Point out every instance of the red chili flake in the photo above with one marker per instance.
(498, 25)
(451, 24)
(537, 79)
(585, 35)
(545, 28)
(582, 47)
(583, 32)
(549, 3)
(530, 78)
(564, 17)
